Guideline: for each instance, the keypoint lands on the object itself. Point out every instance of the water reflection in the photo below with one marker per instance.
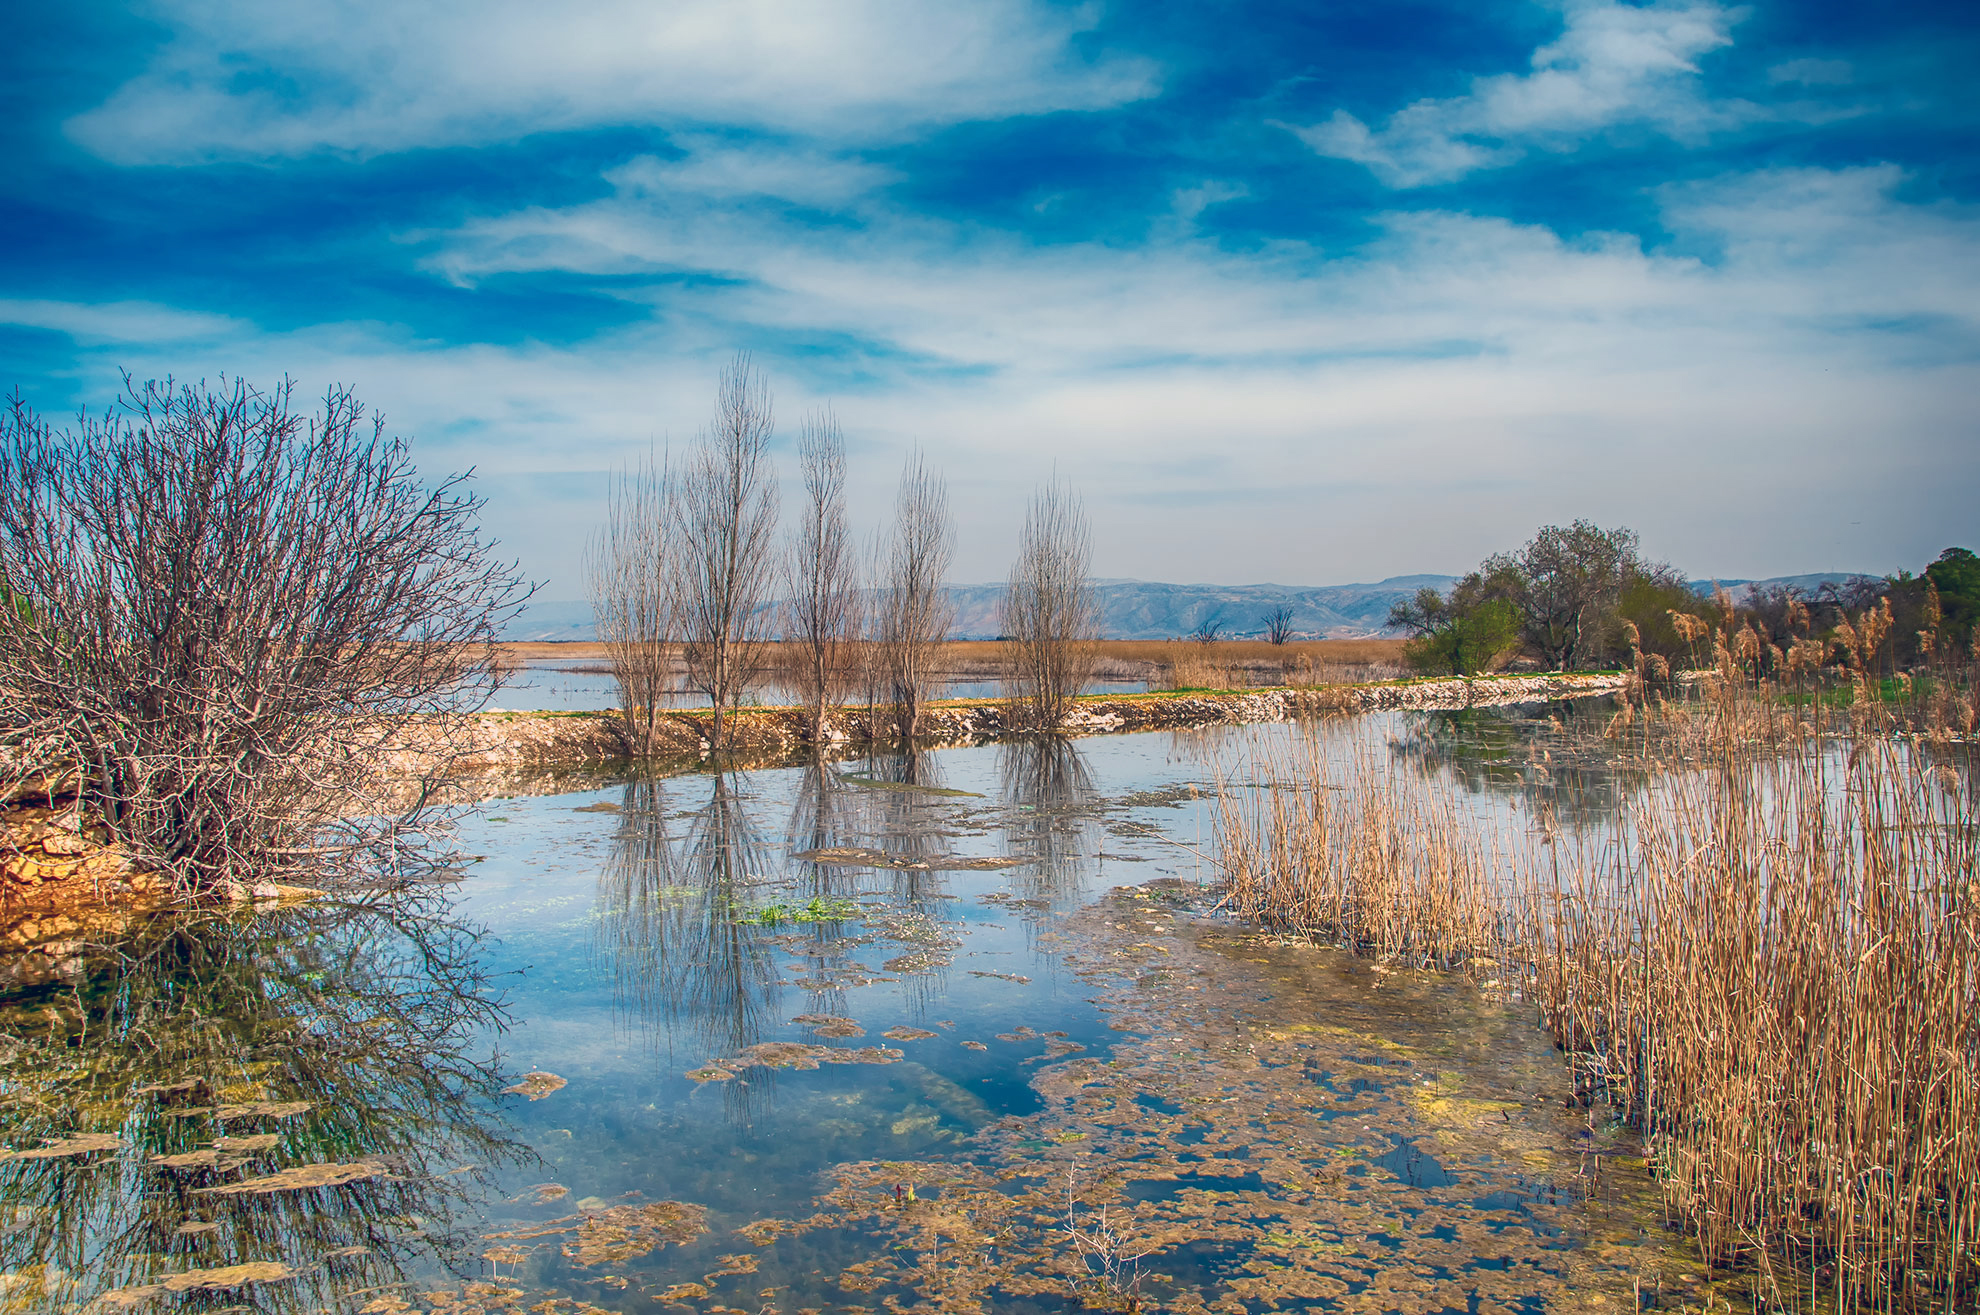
(674, 922)
(210, 1055)
(1553, 757)
(1049, 801)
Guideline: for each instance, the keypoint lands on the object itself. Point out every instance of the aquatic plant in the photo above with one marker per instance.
(814, 910)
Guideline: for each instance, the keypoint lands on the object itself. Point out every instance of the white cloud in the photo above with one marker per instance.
(1613, 64)
(1275, 413)
(99, 323)
(254, 80)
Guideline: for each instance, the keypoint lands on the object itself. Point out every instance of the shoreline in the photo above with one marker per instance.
(494, 742)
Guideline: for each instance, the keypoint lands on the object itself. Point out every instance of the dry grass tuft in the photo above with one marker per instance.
(1768, 962)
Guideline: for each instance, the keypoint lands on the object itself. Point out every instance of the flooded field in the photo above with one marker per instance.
(956, 1031)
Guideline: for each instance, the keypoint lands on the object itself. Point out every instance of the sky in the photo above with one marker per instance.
(1296, 292)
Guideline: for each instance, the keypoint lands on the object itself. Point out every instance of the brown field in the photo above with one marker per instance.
(1167, 661)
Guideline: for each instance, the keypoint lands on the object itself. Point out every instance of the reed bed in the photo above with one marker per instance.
(1767, 961)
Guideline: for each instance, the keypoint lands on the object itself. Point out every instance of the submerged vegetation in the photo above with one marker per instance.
(1766, 958)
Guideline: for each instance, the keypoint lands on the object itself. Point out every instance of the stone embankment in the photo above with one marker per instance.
(528, 744)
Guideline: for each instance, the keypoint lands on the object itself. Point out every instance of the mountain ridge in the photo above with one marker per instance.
(1150, 609)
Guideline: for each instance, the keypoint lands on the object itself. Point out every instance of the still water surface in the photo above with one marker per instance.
(875, 1035)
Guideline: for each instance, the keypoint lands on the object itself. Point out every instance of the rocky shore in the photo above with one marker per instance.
(544, 741)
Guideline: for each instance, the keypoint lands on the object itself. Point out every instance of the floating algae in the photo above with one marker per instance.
(81, 1143)
(298, 1178)
(536, 1085)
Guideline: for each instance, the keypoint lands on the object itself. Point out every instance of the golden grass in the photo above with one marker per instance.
(1245, 662)
(1769, 963)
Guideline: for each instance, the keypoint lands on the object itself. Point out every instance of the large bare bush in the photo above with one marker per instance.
(821, 577)
(627, 569)
(1050, 614)
(914, 611)
(725, 526)
(229, 614)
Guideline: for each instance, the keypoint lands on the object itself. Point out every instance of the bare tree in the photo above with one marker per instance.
(1050, 614)
(821, 575)
(1208, 631)
(627, 568)
(229, 615)
(725, 525)
(1278, 625)
(915, 613)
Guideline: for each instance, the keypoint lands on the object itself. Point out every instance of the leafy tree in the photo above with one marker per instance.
(1956, 575)
(1459, 635)
(1565, 584)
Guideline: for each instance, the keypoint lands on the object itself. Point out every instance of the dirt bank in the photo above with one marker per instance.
(529, 743)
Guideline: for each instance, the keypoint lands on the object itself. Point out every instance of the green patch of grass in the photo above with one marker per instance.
(814, 910)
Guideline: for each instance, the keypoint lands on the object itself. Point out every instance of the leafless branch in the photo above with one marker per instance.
(227, 614)
(821, 576)
(1050, 613)
(914, 612)
(627, 569)
(725, 524)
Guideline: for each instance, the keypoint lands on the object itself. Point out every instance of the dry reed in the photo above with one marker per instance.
(1768, 962)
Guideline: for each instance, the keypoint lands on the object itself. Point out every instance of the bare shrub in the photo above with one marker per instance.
(914, 612)
(1278, 625)
(725, 525)
(821, 577)
(1050, 613)
(627, 569)
(229, 614)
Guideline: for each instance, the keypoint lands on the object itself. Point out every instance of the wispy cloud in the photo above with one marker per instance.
(1453, 353)
(118, 322)
(1614, 64)
(361, 77)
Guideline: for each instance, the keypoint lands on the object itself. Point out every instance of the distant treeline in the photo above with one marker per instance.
(1580, 597)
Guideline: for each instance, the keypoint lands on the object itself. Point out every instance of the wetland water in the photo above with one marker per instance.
(865, 1037)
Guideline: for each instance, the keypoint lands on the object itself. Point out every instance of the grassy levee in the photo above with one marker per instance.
(1768, 961)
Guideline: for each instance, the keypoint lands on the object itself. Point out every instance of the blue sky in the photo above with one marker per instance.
(1306, 292)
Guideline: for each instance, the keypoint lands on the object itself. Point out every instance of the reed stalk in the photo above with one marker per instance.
(1767, 961)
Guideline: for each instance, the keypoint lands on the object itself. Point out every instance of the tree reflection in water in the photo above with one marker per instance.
(686, 957)
(363, 1019)
(825, 816)
(1049, 806)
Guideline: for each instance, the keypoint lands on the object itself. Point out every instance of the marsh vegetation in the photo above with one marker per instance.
(1761, 956)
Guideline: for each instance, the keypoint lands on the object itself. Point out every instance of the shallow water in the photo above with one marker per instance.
(1060, 1058)
(564, 685)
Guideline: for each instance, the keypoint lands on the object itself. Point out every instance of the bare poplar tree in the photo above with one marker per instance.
(915, 613)
(1050, 613)
(725, 526)
(628, 570)
(821, 575)
(228, 616)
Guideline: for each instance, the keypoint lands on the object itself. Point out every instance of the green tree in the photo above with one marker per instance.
(1956, 575)
(1459, 635)
(1565, 584)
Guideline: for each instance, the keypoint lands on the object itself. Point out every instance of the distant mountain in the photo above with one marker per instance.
(1142, 609)
(1129, 609)
(1740, 588)
(543, 621)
